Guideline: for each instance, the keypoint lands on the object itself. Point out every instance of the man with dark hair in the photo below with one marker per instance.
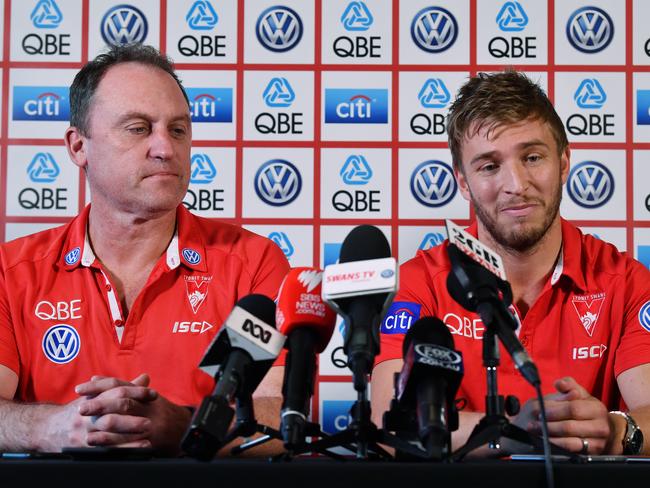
(103, 321)
(582, 306)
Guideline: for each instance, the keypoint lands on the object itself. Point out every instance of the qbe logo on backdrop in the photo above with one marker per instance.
(211, 192)
(424, 99)
(428, 188)
(44, 182)
(590, 34)
(207, 33)
(50, 30)
(113, 24)
(356, 31)
(591, 189)
(592, 106)
(356, 113)
(279, 31)
(282, 184)
(640, 190)
(361, 185)
(275, 105)
(512, 32)
(295, 241)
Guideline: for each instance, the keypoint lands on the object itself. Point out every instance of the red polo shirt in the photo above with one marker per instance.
(61, 321)
(591, 320)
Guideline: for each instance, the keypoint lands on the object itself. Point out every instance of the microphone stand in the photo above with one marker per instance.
(495, 425)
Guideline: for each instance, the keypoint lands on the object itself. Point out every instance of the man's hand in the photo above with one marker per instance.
(572, 415)
(130, 414)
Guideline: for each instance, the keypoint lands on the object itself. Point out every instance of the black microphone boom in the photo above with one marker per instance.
(239, 357)
(479, 290)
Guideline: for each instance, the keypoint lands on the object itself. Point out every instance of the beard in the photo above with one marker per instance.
(524, 237)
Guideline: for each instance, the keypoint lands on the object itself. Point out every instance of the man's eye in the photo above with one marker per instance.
(137, 130)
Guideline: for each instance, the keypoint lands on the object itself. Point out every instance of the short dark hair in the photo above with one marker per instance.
(87, 79)
(491, 100)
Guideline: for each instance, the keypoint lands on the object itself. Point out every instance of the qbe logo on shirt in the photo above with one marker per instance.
(61, 343)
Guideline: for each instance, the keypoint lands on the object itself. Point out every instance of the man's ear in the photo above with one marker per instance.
(565, 163)
(75, 143)
(462, 183)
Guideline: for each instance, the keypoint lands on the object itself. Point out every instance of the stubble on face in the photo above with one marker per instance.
(524, 237)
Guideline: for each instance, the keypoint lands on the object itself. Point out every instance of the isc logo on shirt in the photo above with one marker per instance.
(187, 327)
(400, 317)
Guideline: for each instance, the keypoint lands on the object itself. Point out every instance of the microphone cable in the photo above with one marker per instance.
(548, 461)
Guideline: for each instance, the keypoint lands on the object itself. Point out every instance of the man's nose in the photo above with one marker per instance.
(161, 145)
(516, 178)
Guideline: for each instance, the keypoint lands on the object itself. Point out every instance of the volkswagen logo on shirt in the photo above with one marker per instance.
(124, 24)
(278, 182)
(433, 183)
(61, 343)
(191, 256)
(590, 184)
(590, 29)
(73, 256)
(644, 316)
(434, 29)
(279, 28)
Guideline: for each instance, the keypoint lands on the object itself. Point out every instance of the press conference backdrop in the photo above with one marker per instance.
(313, 116)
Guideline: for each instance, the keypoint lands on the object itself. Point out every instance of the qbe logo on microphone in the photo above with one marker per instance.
(400, 317)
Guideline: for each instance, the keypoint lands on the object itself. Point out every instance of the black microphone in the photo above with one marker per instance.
(360, 288)
(428, 383)
(479, 290)
(239, 357)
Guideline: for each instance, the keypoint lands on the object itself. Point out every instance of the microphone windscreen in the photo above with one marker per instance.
(430, 330)
(300, 305)
(364, 242)
(260, 306)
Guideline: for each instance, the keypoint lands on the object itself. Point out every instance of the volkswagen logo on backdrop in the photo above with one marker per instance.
(434, 29)
(279, 28)
(61, 343)
(433, 183)
(278, 182)
(124, 24)
(590, 184)
(590, 29)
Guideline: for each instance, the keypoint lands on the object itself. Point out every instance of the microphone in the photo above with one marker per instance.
(360, 288)
(238, 357)
(428, 382)
(308, 323)
(477, 282)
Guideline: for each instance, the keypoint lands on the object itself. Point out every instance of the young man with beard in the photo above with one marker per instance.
(570, 291)
(103, 321)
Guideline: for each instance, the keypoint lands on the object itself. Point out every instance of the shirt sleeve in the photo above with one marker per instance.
(412, 301)
(268, 268)
(634, 347)
(8, 348)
